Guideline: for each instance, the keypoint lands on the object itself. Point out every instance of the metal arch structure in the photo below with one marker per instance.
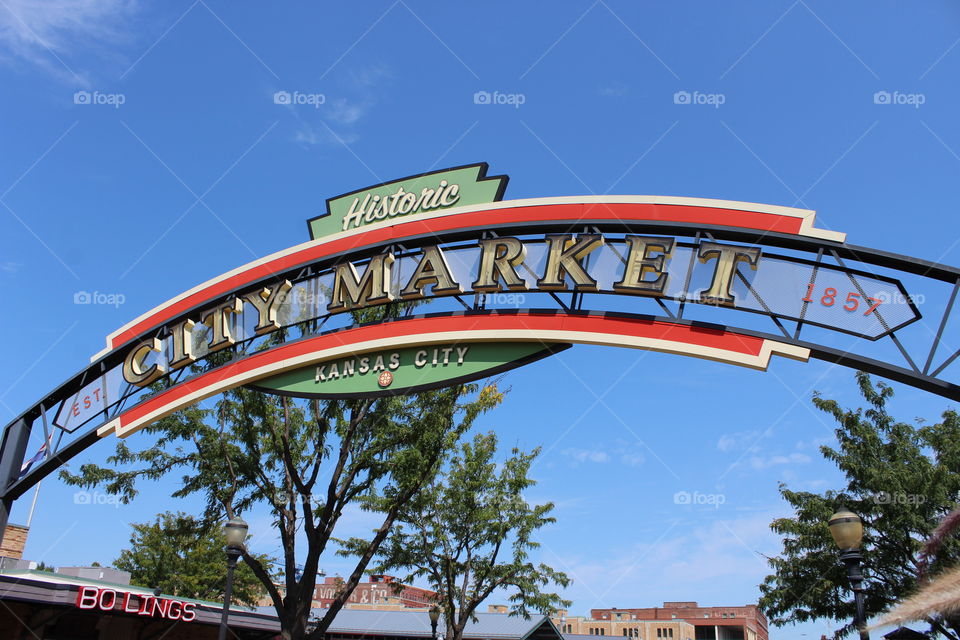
(728, 281)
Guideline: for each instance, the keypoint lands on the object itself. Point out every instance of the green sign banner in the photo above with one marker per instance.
(422, 193)
(405, 370)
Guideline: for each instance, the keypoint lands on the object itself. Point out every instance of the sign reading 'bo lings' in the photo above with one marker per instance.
(106, 599)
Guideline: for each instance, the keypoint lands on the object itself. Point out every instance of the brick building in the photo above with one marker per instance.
(744, 622)
(671, 629)
(379, 592)
(14, 540)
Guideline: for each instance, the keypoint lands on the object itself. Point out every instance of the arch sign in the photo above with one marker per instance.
(481, 285)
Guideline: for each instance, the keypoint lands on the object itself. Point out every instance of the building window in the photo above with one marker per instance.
(659, 632)
(671, 632)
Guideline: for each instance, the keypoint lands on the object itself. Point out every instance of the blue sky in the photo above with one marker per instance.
(177, 165)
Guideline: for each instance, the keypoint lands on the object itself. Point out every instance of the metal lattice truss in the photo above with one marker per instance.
(641, 272)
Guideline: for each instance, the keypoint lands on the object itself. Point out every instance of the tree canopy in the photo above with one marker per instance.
(179, 555)
(306, 462)
(901, 479)
(470, 533)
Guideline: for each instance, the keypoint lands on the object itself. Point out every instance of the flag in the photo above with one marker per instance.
(38, 456)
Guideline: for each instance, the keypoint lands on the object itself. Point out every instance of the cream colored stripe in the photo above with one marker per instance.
(760, 361)
(807, 220)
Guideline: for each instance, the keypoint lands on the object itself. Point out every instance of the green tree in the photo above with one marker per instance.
(470, 533)
(183, 557)
(901, 479)
(306, 462)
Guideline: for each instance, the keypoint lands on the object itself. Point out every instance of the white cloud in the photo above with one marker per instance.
(586, 455)
(765, 462)
(627, 453)
(737, 440)
(10, 267)
(614, 90)
(42, 32)
(681, 561)
(307, 134)
(343, 112)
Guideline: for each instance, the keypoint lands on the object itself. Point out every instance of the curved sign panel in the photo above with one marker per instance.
(479, 285)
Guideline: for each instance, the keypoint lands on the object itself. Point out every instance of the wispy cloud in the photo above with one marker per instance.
(586, 455)
(673, 558)
(621, 451)
(43, 33)
(765, 462)
(309, 135)
(613, 90)
(736, 441)
(344, 112)
(341, 109)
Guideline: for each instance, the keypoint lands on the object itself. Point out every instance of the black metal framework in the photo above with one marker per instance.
(912, 357)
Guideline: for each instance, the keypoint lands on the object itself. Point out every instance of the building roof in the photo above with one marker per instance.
(37, 586)
(417, 624)
(69, 580)
(905, 633)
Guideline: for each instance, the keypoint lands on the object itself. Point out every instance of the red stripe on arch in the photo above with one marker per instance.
(681, 334)
(626, 212)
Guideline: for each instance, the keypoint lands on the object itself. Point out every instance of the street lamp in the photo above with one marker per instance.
(847, 531)
(236, 533)
(434, 618)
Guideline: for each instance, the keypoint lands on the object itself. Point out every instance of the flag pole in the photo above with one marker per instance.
(33, 505)
(36, 492)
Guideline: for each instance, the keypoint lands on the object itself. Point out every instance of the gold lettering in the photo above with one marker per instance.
(351, 291)
(499, 258)
(727, 257)
(640, 263)
(219, 320)
(133, 370)
(432, 269)
(181, 345)
(267, 303)
(565, 257)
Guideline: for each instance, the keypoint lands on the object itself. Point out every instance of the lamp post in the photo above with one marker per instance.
(434, 618)
(236, 533)
(847, 531)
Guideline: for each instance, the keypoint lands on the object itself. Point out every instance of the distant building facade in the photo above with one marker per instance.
(673, 621)
(380, 592)
(14, 540)
(626, 628)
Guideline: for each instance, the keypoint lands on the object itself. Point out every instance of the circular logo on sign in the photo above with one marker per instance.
(385, 379)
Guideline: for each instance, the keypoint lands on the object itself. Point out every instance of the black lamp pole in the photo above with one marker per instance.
(847, 531)
(434, 618)
(233, 554)
(236, 533)
(852, 559)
